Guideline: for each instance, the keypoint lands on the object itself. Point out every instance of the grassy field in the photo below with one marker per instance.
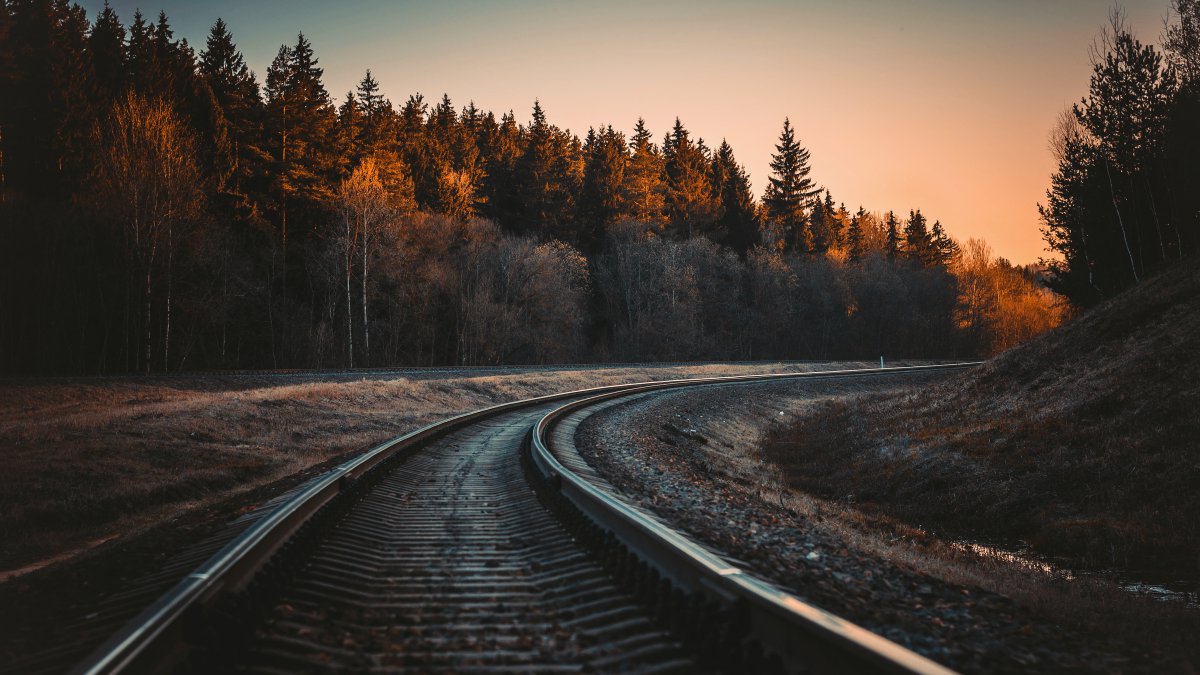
(1082, 444)
(90, 460)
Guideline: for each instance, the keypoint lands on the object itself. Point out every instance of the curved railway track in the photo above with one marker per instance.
(432, 553)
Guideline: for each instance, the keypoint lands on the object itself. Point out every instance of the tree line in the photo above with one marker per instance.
(162, 209)
(1125, 199)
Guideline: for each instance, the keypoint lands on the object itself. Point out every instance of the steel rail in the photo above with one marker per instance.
(805, 638)
(154, 635)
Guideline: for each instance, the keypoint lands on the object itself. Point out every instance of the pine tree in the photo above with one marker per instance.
(443, 133)
(458, 168)
(825, 226)
(47, 102)
(236, 91)
(790, 190)
(1088, 266)
(160, 66)
(501, 145)
(300, 124)
(471, 118)
(106, 44)
(378, 136)
(351, 123)
(8, 89)
(1126, 111)
(1181, 41)
(550, 173)
(689, 190)
(945, 250)
(603, 176)
(415, 150)
(737, 223)
(918, 242)
(893, 247)
(368, 94)
(140, 51)
(841, 224)
(855, 240)
(643, 192)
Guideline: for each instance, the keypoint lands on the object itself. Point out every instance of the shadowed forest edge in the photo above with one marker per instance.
(164, 211)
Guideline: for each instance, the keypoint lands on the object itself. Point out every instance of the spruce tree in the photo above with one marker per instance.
(737, 224)
(163, 66)
(604, 174)
(643, 192)
(918, 242)
(236, 91)
(300, 124)
(550, 172)
(351, 121)
(106, 44)
(1126, 112)
(442, 133)
(689, 191)
(415, 150)
(790, 191)
(945, 250)
(471, 118)
(312, 171)
(501, 146)
(855, 240)
(379, 130)
(47, 100)
(893, 247)
(841, 224)
(140, 52)
(825, 226)
(368, 94)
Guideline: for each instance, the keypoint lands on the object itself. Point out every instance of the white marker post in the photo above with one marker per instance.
(881, 363)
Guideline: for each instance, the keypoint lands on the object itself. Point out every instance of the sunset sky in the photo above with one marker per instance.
(943, 105)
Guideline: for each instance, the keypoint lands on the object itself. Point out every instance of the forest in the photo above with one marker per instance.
(162, 209)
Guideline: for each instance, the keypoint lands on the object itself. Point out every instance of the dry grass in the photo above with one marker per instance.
(734, 452)
(93, 459)
(1082, 443)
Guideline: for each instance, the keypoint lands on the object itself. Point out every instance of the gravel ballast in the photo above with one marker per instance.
(691, 457)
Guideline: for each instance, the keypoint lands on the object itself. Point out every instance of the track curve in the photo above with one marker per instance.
(453, 564)
(431, 553)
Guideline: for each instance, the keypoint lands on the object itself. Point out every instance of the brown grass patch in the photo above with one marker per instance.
(89, 459)
(1082, 444)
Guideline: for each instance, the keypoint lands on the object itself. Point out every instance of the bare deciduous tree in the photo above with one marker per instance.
(147, 180)
(362, 205)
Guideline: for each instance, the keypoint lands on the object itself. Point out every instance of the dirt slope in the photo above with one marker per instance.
(1082, 443)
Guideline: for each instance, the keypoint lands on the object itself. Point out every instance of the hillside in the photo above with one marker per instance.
(1081, 443)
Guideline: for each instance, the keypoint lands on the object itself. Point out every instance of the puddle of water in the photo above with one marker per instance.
(1183, 591)
(1019, 559)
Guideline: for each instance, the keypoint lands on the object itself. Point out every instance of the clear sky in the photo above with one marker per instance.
(942, 105)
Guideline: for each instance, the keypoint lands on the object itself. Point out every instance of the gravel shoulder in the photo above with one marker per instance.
(692, 457)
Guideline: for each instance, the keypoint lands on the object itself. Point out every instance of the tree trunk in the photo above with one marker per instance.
(366, 327)
(170, 283)
(349, 306)
(1113, 193)
(146, 316)
(283, 287)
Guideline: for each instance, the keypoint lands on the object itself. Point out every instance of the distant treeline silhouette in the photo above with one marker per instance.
(162, 210)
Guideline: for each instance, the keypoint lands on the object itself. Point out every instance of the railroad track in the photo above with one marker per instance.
(432, 553)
